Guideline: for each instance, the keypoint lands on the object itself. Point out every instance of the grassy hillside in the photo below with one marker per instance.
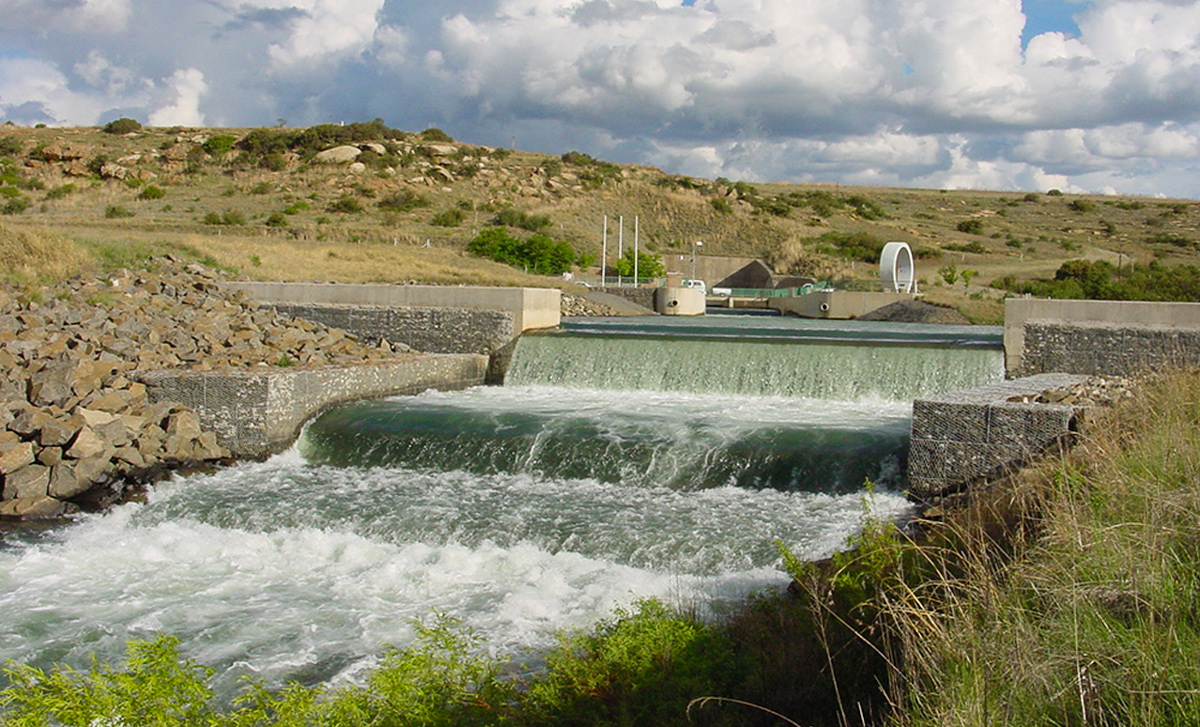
(261, 202)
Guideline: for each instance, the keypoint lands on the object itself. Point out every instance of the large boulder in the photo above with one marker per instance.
(338, 155)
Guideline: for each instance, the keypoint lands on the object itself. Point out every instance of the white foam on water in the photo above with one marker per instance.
(289, 570)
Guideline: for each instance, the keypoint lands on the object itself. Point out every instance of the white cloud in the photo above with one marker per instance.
(99, 72)
(185, 87)
(935, 92)
(328, 28)
(90, 16)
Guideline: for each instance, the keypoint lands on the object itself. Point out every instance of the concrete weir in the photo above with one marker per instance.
(258, 413)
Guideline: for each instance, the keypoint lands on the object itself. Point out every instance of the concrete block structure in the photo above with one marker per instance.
(960, 436)
(255, 413)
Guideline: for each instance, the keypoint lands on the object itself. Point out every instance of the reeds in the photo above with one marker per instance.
(1085, 610)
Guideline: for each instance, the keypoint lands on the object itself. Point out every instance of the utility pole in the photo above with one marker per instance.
(635, 251)
(604, 255)
(620, 243)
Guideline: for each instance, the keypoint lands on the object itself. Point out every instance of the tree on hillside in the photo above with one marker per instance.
(649, 265)
(539, 254)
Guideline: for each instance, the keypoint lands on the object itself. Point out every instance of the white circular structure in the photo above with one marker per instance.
(896, 268)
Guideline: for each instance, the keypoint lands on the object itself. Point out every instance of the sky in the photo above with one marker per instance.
(1080, 95)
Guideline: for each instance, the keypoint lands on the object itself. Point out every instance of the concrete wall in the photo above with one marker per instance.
(835, 304)
(962, 435)
(1098, 337)
(709, 268)
(258, 413)
(531, 308)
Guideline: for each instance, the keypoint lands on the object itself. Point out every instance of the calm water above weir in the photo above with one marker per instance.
(638, 460)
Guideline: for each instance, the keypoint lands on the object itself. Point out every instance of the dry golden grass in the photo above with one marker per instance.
(34, 254)
(273, 257)
(1069, 595)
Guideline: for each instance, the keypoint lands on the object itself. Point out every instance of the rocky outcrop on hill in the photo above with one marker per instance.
(76, 426)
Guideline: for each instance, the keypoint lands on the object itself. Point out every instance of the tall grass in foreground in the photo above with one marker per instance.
(1087, 612)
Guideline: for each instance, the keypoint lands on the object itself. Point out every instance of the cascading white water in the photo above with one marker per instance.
(520, 509)
(817, 370)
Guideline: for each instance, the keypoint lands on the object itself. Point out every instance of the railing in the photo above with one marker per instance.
(617, 281)
(772, 292)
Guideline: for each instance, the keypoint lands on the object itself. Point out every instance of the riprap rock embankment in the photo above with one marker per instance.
(76, 424)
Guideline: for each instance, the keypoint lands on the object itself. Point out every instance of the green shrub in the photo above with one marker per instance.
(975, 247)
(405, 200)
(539, 254)
(722, 205)
(853, 246)
(517, 218)
(154, 687)
(866, 208)
(436, 135)
(61, 191)
(448, 218)
(948, 273)
(649, 265)
(346, 204)
(1168, 238)
(641, 667)
(116, 211)
(224, 218)
(15, 206)
(122, 126)
(1082, 205)
(971, 226)
(277, 219)
(11, 146)
(152, 192)
(219, 145)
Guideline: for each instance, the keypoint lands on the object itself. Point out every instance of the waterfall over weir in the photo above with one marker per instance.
(843, 361)
(622, 460)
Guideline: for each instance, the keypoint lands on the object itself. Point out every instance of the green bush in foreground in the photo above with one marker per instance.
(642, 667)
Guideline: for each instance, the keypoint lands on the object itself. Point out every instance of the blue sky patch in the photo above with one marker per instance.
(1045, 16)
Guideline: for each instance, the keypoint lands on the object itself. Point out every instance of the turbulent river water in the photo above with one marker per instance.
(622, 459)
